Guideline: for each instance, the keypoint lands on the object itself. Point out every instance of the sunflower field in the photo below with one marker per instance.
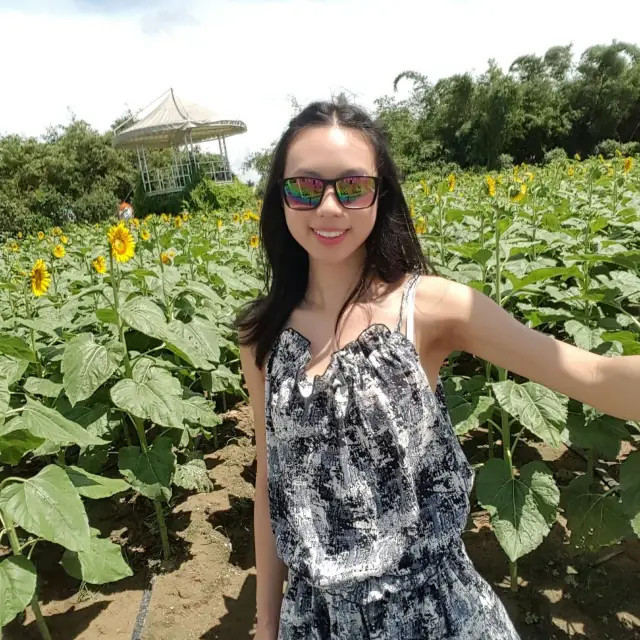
(117, 357)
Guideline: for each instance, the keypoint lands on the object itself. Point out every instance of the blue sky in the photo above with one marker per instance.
(245, 58)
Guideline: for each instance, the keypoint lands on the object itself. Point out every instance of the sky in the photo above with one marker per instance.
(245, 59)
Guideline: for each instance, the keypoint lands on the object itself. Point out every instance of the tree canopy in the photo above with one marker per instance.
(540, 103)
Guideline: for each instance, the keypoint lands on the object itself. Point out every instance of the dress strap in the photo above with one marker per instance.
(407, 305)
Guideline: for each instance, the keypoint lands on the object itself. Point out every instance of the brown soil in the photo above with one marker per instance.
(207, 591)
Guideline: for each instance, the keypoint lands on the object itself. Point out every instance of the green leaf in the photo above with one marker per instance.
(523, 509)
(102, 563)
(16, 347)
(204, 291)
(144, 316)
(17, 586)
(469, 414)
(95, 487)
(603, 434)
(50, 425)
(107, 316)
(12, 369)
(202, 334)
(222, 379)
(193, 475)
(152, 394)
(86, 365)
(42, 387)
(149, 473)
(14, 445)
(536, 408)
(630, 489)
(199, 410)
(93, 417)
(584, 337)
(48, 505)
(594, 519)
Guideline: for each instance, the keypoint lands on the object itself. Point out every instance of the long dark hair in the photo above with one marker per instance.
(392, 248)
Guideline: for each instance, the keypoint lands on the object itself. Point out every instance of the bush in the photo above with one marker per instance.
(215, 196)
(607, 148)
(555, 155)
(505, 161)
(144, 204)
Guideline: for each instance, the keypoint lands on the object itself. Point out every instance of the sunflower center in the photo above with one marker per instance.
(119, 245)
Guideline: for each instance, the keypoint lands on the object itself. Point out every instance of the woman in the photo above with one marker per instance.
(362, 490)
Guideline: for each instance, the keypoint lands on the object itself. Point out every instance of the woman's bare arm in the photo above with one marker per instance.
(271, 571)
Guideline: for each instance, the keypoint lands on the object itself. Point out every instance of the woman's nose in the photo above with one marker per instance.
(330, 205)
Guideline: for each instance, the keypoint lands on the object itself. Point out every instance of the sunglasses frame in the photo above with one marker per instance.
(333, 182)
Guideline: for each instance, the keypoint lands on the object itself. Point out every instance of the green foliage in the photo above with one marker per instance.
(541, 103)
(555, 155)
(73, 173)
(218, 197)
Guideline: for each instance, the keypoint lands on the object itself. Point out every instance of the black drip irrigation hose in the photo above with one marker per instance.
(143, 610)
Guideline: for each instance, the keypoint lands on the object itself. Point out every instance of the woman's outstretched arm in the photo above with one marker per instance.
(474, 323)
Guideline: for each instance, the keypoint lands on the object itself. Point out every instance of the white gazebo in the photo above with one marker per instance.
(177, 125)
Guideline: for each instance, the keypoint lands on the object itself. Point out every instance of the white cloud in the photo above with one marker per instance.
(246, 57)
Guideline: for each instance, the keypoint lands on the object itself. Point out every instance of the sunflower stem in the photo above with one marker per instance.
(115, 285)
(32, 332)
(35, 606)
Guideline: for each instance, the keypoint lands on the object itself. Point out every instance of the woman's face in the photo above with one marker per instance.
(330, 233)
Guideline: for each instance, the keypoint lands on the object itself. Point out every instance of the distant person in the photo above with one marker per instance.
(362, 489)
(125, 211)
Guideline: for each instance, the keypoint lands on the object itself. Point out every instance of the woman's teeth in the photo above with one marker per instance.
(329, 234)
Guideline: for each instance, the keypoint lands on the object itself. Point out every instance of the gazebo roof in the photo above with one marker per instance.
(173, 119)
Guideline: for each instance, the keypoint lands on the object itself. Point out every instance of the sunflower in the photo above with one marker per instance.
(577, 157)
(19, 235)
(64, 239)
(123, 245)
(628, 164)
(254, 242)
(421, 227)
(15, 247)
(164, 217)
(56, 231)
(520, 194)
(412, 210)
(145, 235)
(491, 186)
(178, 222)
(236, 218)
(571, 172)
(185, 216)
(220, 224)
(40, 278)
(134, 222)
(58, 251)
(172, 254)
(100, 265)
(164, 256)
(40, 235)
(451, 180)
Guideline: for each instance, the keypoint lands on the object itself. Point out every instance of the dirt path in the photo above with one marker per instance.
(208, 590)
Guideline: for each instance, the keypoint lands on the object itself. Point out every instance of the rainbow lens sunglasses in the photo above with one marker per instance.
(353, 192)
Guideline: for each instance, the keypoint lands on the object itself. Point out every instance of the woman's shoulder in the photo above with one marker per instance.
(441, 304)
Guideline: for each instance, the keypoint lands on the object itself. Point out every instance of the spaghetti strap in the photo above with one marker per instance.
(407, 297)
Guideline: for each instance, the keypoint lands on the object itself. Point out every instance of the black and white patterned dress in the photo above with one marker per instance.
(369, 494)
